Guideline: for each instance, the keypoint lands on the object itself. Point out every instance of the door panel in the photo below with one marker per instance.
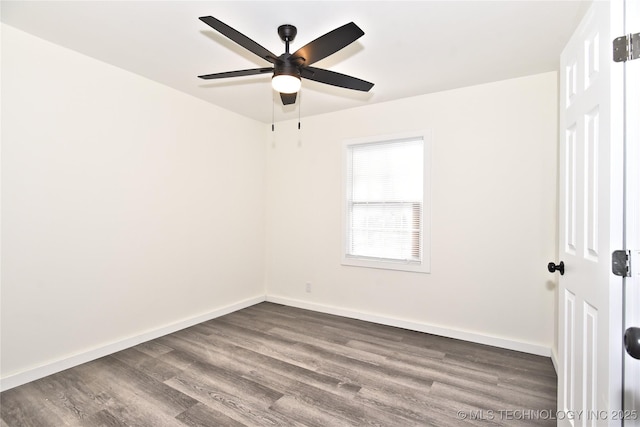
(567, 380)
(590, 372)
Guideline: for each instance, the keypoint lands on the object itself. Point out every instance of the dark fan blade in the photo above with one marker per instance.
(288, 98)
(335, 79)
(239, 38)
(330, 43)
(238, 73)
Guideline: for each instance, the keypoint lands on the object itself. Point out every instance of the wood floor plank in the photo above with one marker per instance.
(489, 403)
(131, 409)
(336, 402)
(151, 366)
(435, 367)
(24, 406)
(201, 415)
(328, 345)
(163, 397)
(245, 363)
(273, 365)
(529, 386)
(70, 399)
(276, 347)
(152, 348)
(311, 416)
(425, 410)
(104, 418)
(229, 405)
(132, 397)
(223, 380)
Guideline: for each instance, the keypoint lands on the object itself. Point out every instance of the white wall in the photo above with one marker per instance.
(127, 207)
(493, 216)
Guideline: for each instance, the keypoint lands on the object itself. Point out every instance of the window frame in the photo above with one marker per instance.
(424, 265)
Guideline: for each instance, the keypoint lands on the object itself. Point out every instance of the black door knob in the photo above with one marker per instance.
(632, 342)
(556, 267)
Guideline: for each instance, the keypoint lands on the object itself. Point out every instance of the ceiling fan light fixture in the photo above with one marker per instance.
(286, 83)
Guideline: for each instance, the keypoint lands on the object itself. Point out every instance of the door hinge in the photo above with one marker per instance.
(626, 48)
(620, 263)
(625, 263)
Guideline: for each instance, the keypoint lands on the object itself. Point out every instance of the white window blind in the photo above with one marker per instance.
(384, 206)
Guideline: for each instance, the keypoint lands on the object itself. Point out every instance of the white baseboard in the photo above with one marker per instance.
(415, 326)
(59, 365)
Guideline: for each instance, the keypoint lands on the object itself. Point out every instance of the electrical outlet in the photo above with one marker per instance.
(308, 286)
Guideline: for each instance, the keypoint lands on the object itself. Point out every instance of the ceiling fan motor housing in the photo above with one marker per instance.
(286, 67)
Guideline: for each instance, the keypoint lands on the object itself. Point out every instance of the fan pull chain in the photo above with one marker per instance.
(299, 106)
(273, 114)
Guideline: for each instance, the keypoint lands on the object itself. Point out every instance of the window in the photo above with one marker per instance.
(386, 203)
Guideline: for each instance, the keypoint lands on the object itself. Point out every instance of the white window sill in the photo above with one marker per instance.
(386, 264)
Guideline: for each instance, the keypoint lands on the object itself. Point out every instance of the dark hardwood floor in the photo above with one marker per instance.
(272, 365)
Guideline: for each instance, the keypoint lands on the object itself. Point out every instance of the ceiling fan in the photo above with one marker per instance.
(289, 68)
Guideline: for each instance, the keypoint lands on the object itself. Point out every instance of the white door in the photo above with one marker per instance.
(632, 284)
(590, 222)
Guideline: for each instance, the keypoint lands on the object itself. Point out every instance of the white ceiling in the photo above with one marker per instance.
(409, 48)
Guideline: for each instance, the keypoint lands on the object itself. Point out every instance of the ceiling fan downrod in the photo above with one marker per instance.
(287, 33)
